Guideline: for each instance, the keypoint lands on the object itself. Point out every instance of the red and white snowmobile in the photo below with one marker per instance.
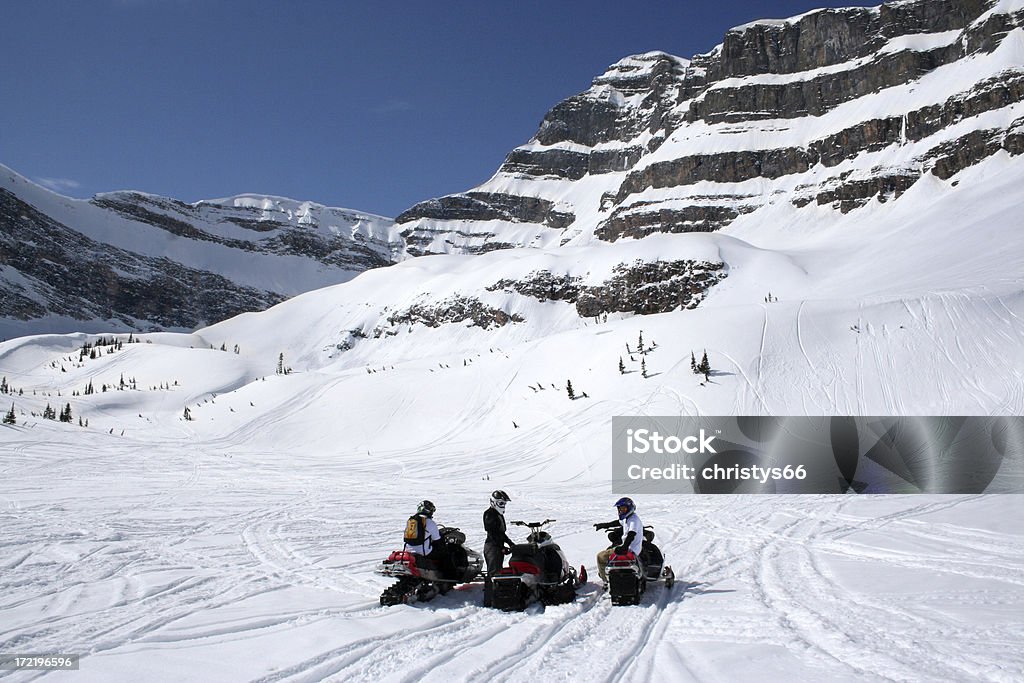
(628, 575)
(537, 571)
(420, 578)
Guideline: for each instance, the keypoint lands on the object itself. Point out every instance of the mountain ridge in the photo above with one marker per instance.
(139, 261)
(662, 143)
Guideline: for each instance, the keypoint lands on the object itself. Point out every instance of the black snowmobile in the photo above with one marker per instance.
(420, 578)
(537, 570)
(627, 574)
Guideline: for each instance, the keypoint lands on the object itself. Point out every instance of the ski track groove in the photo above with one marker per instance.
(802, 578)
(548, 633)
(445, 640)
(337, 659)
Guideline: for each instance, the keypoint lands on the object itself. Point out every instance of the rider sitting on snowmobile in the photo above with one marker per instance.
(632, 535)
(498, 543)
(423, 538)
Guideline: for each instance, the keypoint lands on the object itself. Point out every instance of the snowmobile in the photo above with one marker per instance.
(537, 571)
(628, 575)
(419, 577)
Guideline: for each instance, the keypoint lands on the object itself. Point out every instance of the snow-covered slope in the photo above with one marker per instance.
(134, 260)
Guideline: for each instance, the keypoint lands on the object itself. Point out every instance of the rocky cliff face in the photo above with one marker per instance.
(836, 107)
(128, 260)
(61, 272)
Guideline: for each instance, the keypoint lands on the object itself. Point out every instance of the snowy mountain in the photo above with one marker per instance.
(854, 252)
(836, 107)
(129, 260)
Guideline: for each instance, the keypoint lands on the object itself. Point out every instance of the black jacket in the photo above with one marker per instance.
(494, 525)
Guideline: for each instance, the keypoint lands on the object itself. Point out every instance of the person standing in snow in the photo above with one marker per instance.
(632, 535)
(497, 543)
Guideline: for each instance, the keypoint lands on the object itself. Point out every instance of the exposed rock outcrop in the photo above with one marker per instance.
(641, 287)
(456, 309)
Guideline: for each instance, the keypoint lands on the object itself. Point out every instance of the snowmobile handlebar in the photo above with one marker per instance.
(533, 525)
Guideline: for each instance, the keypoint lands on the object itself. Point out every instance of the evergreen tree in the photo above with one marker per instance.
(643, 368)
(3, 385)
(280, 364)
(49, 413)
(65, 415)
(704, 367)
(568, 389)
(9, 418)
(622, 366)
(640, 342)
(693, 363)
(188, 414)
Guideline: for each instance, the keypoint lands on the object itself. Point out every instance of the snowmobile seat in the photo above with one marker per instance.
(650, 555)
(551, 564)
(522, 552)
(424, 563)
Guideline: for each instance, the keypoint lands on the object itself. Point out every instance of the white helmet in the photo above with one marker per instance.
(498, 500)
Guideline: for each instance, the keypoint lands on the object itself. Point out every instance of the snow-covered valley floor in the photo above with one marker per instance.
(238, 541)
(220, 563)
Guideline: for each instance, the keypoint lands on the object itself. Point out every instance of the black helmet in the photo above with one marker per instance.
(426, 508)
(498, 500)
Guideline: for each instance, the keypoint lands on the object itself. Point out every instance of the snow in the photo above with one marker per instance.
(240, 545)
(638, 65)
(920, 42)
(224, 564)
(999, 7)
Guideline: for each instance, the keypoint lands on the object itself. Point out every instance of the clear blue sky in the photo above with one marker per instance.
(368, 105)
